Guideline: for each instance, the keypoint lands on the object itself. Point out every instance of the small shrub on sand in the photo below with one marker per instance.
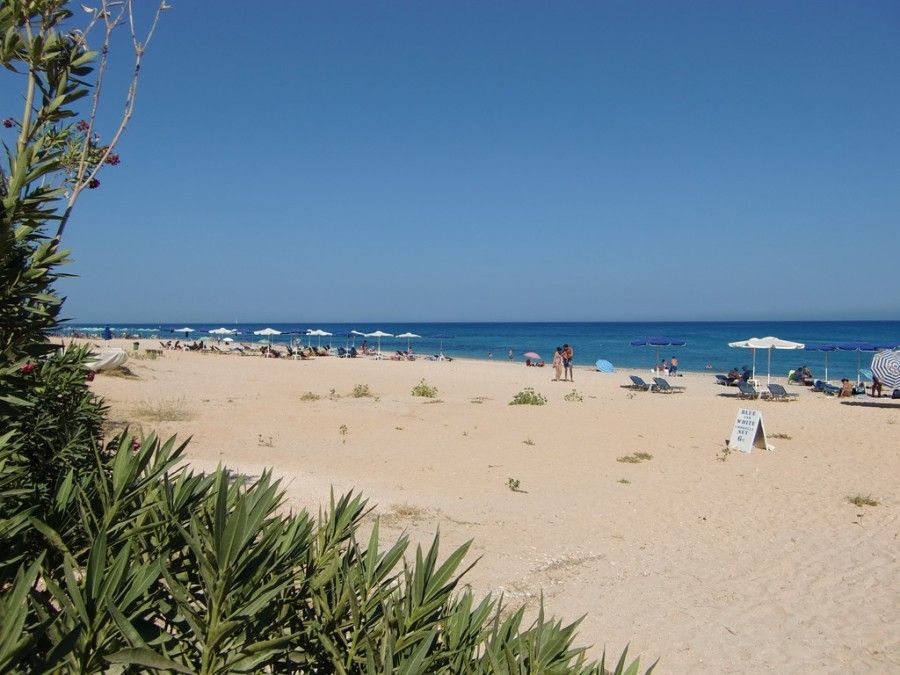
(624, 481)
(860, 501)
(635, 458)
(528, 396)
(171, 410)
(425, 390)
(574, 397)
(362, 391)
(514, 484)
(528, 441)
(785, 437)
(309, 396)
(479, 399)
(343, 429)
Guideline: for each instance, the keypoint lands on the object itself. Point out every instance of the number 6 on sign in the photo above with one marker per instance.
(748, 431)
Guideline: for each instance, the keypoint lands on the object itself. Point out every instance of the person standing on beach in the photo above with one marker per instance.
(509, 354)
(568, 355)
(558, 363)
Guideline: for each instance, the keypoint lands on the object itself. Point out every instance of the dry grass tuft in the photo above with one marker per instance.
(169, 410)
(860, 501)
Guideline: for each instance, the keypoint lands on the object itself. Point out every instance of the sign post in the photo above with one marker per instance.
(748, 431)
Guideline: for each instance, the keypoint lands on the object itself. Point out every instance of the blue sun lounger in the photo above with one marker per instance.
(779, 393)
(638, 383)
(747, 390)
(666, 388)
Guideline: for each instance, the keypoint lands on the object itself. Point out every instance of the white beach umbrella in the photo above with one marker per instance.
(319, 333)
(408, 337)
(184, 330)
(769, 343)
(379, 334)
(267, 332)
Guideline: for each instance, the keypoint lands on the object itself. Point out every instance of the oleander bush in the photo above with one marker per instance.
(116, 556)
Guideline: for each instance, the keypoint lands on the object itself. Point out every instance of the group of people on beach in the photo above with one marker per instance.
(562, 363)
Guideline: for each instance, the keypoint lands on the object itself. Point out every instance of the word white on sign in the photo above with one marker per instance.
(748, 431)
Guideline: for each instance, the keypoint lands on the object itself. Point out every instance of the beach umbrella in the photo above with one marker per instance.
(769, 343)
(605, 366)
(886, 366)
(859, 347)
(657, 341)
(825, 349)
(441, 338)
(267, 332)
(319, 333)
(184, 330)
(379, 334)
(532, 355)
(408, 337)
(228, 339)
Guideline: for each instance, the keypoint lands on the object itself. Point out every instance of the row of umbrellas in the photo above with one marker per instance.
(318, 333)
(886, 363)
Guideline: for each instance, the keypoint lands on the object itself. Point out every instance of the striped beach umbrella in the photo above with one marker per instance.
(886, 366)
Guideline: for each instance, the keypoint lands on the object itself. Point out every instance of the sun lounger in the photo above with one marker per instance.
(826, 388)
(638, 383)
(724, 380)
(747, 390)
(664, 387)
(779, 393)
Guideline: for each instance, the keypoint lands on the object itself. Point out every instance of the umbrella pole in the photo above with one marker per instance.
(826, 367)
(858, 366)
(754, 362)
(769, 371)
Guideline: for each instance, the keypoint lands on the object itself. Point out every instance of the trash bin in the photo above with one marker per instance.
(137, 345)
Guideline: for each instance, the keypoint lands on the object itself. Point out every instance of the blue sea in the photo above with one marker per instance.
(706, 342)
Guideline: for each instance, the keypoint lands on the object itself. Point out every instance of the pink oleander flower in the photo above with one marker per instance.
(27, 368)
(135, 444)
(113, 159)
(89, 376)
(93, 184)
(83, 125)
(8, 122)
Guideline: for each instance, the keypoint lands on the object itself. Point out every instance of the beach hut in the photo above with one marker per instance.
(768, 343)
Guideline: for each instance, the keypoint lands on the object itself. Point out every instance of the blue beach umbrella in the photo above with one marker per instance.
(605, 366)
(658, 341)
(859, 348)
(825, 348)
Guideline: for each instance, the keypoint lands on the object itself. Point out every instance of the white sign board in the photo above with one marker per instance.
(748, 431)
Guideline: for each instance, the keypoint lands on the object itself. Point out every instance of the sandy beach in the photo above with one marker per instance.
(716, 564)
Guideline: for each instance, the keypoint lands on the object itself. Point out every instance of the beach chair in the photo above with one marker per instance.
(747, 390)
(638, 383)
(825, 388)
(664, 387)
(779, 393)
(724, 380)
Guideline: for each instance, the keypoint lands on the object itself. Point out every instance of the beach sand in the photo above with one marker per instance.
(745, 565)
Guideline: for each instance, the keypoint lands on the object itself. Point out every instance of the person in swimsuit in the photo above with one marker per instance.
(558, 363)
(568, 355)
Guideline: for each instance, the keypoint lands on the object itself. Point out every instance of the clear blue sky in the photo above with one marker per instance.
(379, 161)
